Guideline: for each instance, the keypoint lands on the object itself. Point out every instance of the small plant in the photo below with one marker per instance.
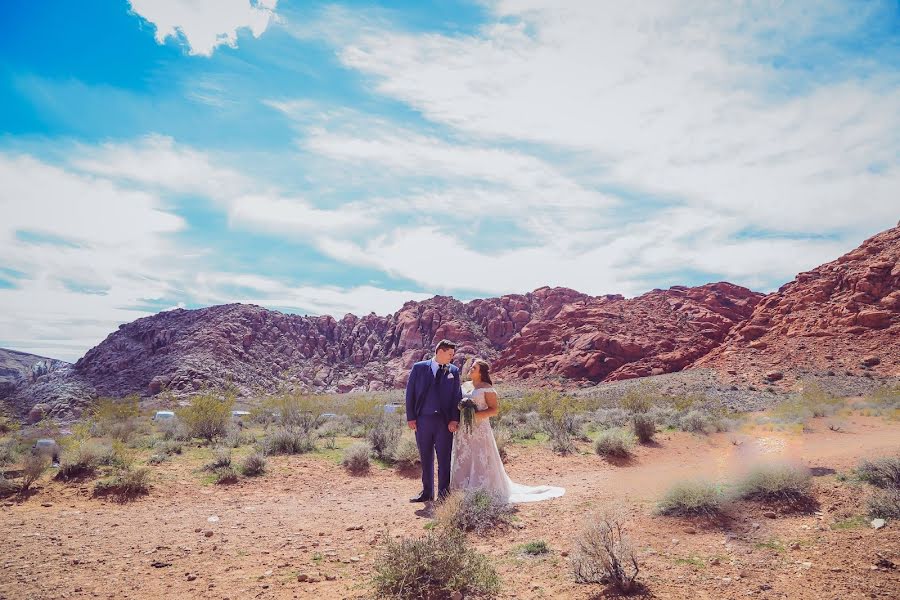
(384, 436)
(885, 504)
(117, 418)
(8, 425)
(406, 454)
(221, 459)
(128, 483)
(8, 453)
(208, 417)
(881, 472)
(226, 475)
(777, 482)
(80, 462)
(503, 439)
(433, 566)
(356, 458)
(254, 464)
(33, 467)
(535, 548)
(7, 487)
(286, 441)
(235, 438)
(169, 448)
(695, 498)
(644, 427)
(616, 443)
(473, 510)
(604, 554)
(606, 418)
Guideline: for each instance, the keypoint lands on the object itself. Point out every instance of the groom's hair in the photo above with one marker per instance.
(445, 345)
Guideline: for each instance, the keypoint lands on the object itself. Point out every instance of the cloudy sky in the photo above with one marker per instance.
(325, 158)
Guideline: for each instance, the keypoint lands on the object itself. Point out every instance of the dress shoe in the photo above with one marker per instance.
(423, 497)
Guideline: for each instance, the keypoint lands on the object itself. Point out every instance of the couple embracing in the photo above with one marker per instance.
(467, 460)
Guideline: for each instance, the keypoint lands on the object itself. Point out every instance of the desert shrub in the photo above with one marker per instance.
(9, 453)
(254, 464)
(885, 504)
(7, 487)
(503, 439)
(364, 412)
(117, 418)
(221, 459)
(782, 482)
(694, 421)
(169, 448)
(356, 458)
(285, 441)
(644, 427)
(881, 472)
(384, 436)
(226, 475)
(208, 417)
(561, 430)
(616, 442)
(157, 459)
(638, 399)
(8, 424)
(665, 416)
(33, 466)
(433, 566)
(603, 554)
(406, 454)
(299, 412)
(334, 427)
(473, 510)
(607, 418)
(886, 397)
(236, 437)
(523, 426)
(127, 483)
(174, 429)
(535, 548)
(819, 402)
(80, 461)
(693, 498)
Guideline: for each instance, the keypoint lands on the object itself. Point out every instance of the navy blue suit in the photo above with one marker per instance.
(432, 405)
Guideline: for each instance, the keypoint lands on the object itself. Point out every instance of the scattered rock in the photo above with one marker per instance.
(769, 514)
(207, 533)
(878, 523)
(774, 375)
(456, 596)
(158, 564)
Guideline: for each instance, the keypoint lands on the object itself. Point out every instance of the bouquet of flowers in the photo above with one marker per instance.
(467, 410)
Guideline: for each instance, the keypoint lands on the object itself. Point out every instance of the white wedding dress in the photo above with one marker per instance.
(476, 463)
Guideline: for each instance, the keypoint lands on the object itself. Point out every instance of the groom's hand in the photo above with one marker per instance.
(453, 426)
(412, 425)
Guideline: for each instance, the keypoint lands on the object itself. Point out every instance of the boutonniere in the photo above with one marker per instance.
(450, 376)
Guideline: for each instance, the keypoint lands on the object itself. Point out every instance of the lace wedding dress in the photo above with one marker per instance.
(476, 463)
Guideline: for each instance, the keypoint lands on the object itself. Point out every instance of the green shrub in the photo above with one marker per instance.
(7, 488)
(695, 498)
(9, 453)
(221, 459)
(607, 418)
(638, 399)
(616, 442)
(433, 566)
(406, 454)
(226, 475)
(885, 504)
(299, 412)
(82, 461)
(285, 441)
(604, 554)
(503, 439)
(174, 429)
(208, 417)
(117, 418)
(535, 548)
(881, 472)
(356, 458)
(384, 436)
(8, 425)
(254, 464)
(776, 482)
(644, 427)
(127, 483)
(562, 429)
(169, 447)
(235, 438)
(473, 510)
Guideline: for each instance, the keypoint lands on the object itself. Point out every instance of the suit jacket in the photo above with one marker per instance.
(420, 381)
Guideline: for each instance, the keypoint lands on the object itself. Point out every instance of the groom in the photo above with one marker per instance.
(432, 411)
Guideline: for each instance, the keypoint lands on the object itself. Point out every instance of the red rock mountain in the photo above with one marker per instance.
(840, 316)
(829, 319)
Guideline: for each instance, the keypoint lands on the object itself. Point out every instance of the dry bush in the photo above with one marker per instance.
(562, 429)
(81, 461)
(236, 437)
(208, 417)
(406, 454)
(33, 466)
(254, 464)
(9, 453)
(226, 475)
(880, 472)
(473, 510)
(384, 436)
(356, 458)
(779, 482)
(221, 458)
(300, 412)
(363, 411)
(117, 418)
(692, 498)
(433, 566)
(644, 427)
(603, 554)
(607, 418)
(8, 424)
(174, 429)
(616, 442)
(503, 439)
(885, 504)
(7, 487)
(522, 426)
(639, 398)
(169, 447)
(285, 441)
(126, 484)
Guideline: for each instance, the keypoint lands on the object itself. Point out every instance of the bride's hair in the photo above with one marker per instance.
(484, 369)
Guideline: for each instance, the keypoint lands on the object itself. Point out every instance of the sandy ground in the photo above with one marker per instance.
(190, 539)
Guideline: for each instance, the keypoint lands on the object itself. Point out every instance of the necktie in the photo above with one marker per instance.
(440, 374)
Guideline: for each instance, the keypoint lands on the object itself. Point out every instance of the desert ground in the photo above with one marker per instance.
(307, 518)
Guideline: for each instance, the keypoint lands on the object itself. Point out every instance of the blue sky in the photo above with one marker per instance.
(325, 158)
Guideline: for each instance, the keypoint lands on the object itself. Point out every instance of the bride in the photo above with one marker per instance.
(475, 463)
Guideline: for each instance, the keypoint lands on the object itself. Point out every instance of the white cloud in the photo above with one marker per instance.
(206, 24)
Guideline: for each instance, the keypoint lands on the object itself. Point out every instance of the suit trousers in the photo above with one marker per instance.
(433, 436)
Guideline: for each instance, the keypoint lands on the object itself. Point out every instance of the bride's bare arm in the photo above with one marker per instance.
(493, 407)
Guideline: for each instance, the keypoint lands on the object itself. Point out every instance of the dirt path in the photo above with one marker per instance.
(306, 515)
